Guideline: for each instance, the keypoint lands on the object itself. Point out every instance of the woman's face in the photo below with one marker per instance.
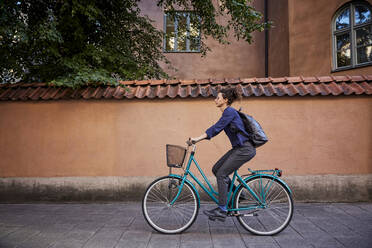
(220, 101)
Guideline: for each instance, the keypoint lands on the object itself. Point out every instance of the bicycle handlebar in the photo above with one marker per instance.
(190, 142)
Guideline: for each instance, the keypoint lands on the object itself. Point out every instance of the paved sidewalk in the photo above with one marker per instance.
(122, 225)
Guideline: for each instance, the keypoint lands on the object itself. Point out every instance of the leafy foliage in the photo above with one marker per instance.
(218, 20)
(78, 42)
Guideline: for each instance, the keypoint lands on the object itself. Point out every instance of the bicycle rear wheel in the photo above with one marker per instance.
(162, 216)
(270, 216)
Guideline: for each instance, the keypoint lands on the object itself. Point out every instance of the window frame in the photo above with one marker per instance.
(176, 34)
(351, 30)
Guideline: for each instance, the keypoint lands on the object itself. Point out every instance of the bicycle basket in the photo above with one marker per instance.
(175, 156)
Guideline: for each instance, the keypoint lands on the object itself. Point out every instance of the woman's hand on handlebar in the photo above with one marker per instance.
(192, 141)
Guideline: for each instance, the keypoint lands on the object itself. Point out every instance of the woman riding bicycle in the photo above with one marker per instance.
(242, 150)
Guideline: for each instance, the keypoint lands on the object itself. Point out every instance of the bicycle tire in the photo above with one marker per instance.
(273, 218)
(166, 218)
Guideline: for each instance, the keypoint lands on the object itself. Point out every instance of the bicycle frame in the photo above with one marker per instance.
(231, 195)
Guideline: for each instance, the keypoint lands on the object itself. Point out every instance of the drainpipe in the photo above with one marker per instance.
(266, 39)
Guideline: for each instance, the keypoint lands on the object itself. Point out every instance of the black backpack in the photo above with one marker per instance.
(255, 132)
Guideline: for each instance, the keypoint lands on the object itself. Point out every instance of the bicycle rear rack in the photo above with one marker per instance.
(275, 172)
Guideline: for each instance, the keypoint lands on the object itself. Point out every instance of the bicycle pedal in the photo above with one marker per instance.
(233, 215)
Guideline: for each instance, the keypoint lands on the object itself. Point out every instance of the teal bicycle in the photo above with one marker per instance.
(261, 201)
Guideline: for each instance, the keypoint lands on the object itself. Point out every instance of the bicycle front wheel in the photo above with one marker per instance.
(272, 213)
(160, 214)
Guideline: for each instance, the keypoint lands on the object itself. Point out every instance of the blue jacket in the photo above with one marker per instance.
(229, 116)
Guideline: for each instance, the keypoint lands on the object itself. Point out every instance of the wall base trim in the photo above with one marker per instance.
(309, 188)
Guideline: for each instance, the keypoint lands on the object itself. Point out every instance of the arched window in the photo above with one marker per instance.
(352, 36)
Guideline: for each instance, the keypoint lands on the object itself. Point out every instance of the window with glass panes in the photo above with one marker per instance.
(181, 32)
(352, 36)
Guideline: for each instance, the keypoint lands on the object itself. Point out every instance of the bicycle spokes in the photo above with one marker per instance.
(163, 211)
(270, 213)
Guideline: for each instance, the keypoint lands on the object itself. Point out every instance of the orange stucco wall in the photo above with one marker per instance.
(310, 38)
(308, 135)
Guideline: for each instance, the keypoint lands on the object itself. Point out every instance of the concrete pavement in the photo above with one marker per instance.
(122, 225)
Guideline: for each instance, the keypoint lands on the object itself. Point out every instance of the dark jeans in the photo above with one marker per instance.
(229, 163)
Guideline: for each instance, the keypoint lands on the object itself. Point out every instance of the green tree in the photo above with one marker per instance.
(78, 42)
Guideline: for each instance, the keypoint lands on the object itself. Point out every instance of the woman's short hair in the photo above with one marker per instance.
(231, 94)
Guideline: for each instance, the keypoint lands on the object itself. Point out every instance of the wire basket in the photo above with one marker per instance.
(175, 156)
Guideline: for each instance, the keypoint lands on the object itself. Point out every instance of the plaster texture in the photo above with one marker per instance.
(307, 135)
(315, 188)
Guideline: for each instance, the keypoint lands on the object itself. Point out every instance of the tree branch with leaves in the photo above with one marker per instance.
(74, 43)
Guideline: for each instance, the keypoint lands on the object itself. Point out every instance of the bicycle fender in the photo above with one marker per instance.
(190, 183)
(275, 178)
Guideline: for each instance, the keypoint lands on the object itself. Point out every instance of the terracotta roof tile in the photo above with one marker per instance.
(35, 94)
(294, 79)
(335, 88)
(204, 91)
(233, 81)
(358, 89)
(284, 86)
(357, 78)
(86, 93)
(217, 81)
(106, 92)
(291, 90)
(157, 82)
(129, 94)
(144, 82)
(269, 90)
(195, 91)
(340, 78)
(139, 92)
(279, 89)
(310, 80)
(259, 90)
(63, 93)
(215, 90)
(119, 92)
(172, 82)
(202, 81)
(367, 87)
(188, 89)
(172, 90)
(248, 80)
(97, 93)
(324, 91)
(305, 88)
(325, 79)
(127, 82)
(263, 80)
(180, 91)
(25, 93)
(239, 88)
(46, 95)
(53, 93)
(313, 89)
(162, 91)
(151, 91)
(187, 82)
(279, 80)
(368, 77)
